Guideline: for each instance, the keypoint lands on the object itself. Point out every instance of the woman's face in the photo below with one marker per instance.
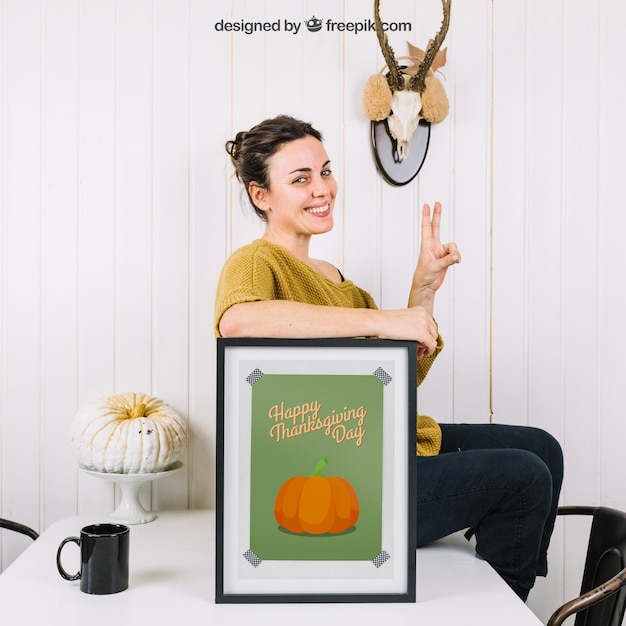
(302, 190)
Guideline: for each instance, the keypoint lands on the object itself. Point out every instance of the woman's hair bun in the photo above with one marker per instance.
(233, 147)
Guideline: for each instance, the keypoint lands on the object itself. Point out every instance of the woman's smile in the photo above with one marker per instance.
(321, 211)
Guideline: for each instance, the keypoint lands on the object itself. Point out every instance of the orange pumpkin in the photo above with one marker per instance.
(316, 504)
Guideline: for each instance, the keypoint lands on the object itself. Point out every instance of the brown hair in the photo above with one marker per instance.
(251, 150)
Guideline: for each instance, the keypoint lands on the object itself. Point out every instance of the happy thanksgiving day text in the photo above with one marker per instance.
(299, 420)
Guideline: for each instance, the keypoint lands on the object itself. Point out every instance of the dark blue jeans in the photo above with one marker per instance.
(502, 480)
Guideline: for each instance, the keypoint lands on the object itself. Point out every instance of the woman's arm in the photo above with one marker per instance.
(434, 260)
(282, 318)
(291, 319)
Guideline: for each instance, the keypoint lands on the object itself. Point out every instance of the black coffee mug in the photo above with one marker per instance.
(103, 558)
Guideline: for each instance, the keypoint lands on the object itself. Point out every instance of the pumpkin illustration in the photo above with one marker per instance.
(128, 433)
(316, 504)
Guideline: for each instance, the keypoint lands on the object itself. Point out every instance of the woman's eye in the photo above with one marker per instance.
(300, 179)
(327, 172)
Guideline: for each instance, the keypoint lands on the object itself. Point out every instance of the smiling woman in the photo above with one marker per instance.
(272, 287)
(502, 480)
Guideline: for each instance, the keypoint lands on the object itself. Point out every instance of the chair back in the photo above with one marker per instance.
(18, 528)
(606, 557)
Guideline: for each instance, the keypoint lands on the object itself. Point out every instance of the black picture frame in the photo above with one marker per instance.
(354, 399)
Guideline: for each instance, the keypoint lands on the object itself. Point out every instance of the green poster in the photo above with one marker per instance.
(307, 429)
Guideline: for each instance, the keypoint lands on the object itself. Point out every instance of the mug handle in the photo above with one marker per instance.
(62, 571)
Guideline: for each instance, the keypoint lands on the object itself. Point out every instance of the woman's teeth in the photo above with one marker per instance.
(319, 209)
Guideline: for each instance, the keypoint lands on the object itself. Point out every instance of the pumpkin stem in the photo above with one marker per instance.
(320, 465)
(139, 410)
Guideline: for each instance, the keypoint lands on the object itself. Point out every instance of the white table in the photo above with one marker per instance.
(172, 567)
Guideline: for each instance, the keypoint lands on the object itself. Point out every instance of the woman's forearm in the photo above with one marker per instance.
(291, 320)
(283, 318)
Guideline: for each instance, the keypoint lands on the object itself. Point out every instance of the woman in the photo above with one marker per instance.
(502, 480)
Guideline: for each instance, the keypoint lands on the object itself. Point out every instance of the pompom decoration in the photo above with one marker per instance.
(377, 98)
(435, 104)
(128, 433)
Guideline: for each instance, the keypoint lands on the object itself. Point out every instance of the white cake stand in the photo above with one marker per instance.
(130, 510)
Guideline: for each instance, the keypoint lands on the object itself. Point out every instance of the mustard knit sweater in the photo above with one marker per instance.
(264, 271)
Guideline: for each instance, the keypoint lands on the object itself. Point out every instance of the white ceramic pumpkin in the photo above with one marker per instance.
(128, 433)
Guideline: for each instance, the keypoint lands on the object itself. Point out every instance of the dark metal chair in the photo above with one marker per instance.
(602, 598)
(19, 528)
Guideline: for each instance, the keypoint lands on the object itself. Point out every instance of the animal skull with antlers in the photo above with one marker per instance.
(407, 94)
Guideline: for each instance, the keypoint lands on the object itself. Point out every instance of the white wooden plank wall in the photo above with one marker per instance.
(118, 208)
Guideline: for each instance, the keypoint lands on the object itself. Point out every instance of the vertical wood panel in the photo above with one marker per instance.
(171, 222)
(544, 211)
(472, 91)
(134, 195)
(580, 252)
(611, 275)
(96, 223)
(248, 85)
(208, 231)
(359, 189)
(59, 247)
(284, 87)
(509, 227)
(20, 399)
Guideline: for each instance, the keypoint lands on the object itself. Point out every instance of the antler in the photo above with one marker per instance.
(394, 78)
(417, 82)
